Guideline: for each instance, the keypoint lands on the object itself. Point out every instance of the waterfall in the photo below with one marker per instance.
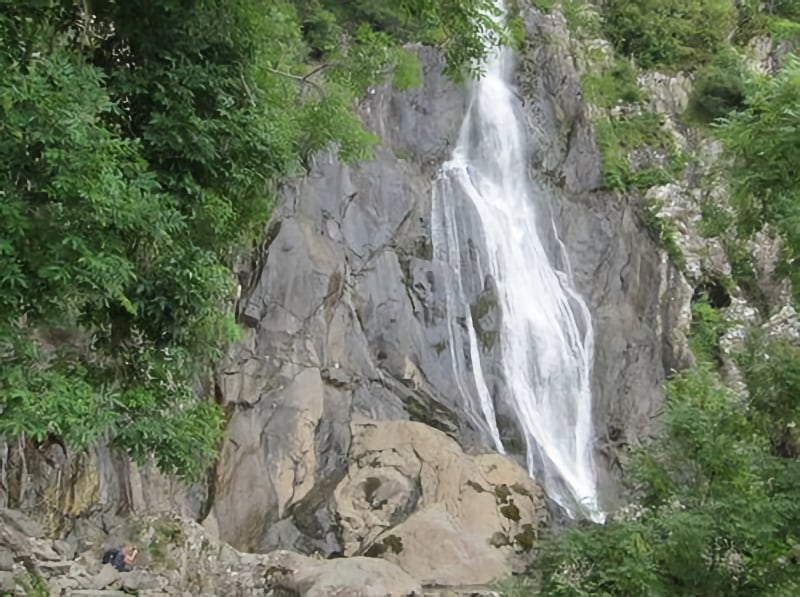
(546, 339)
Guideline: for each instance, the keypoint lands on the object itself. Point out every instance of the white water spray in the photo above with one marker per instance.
(546, 338)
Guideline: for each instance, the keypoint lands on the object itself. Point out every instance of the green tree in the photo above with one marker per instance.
(716, 512)
(670, 34)
(713, 497)
(763, 141)
(718, 90)
(771, 369)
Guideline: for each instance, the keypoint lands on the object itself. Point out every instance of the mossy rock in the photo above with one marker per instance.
(502, 493)
(423, 248)
(510, 511)
(476, 486)
(166, 534)
(390, 543)
(424, 409)
(519, 489)
(485, 303)
(169, 531)
(440, 347)
(499, 540)
(526, 539)
(483, 306)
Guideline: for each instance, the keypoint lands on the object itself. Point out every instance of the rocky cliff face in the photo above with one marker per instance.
(350, 430)
(345, 311)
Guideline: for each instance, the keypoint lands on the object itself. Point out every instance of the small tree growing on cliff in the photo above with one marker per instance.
(671, 34)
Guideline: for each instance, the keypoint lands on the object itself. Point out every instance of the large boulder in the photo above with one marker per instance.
(413, 497)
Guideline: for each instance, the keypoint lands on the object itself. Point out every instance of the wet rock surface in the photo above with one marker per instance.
(639, 301)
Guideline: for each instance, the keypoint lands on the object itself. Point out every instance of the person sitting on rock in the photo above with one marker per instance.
(122, 559)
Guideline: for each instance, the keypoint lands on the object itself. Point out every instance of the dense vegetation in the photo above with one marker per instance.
(141, 143)
(763, 141)
(714, 507)
(716, 510)
(671, 35)
(668, 33)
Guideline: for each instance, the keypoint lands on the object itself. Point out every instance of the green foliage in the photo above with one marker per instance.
(720, 222)
(786, 30)
(544, 5)
(33, 585)
(755, 17)
(619, 136)
(581, 16)
(706, 330)
(665, 232)
(58, 400)
(610, 86)
(717, 512)
(743, 271)
(668, 34)
(582, 563)
(789, 9)
(715, 221)
(407, 70)
(517, 587)
(719, 89)
(763, 142)
(142, 142)
(751, 20)
(771, 369)
(466, 29)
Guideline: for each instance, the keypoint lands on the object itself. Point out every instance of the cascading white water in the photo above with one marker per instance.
(546, 338)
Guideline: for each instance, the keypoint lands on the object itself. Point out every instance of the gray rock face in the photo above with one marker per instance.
(347, 317)
(7, 583)
(345, 321)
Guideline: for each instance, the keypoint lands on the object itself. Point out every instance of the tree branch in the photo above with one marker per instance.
(302, 80)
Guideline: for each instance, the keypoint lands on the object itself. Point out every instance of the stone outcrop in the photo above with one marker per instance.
(178, 557)
(413, 497)
(410, 495)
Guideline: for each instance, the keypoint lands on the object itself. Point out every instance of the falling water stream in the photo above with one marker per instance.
(546, 338)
